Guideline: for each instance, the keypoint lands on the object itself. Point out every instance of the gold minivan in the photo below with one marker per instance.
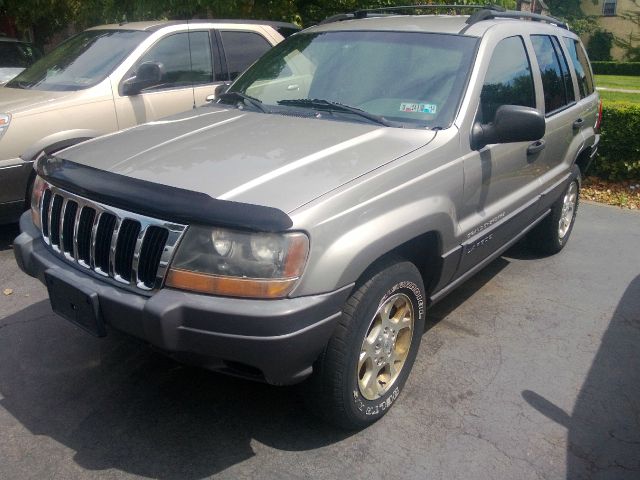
(112, 77)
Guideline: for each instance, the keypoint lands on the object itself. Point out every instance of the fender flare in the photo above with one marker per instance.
(58, 141)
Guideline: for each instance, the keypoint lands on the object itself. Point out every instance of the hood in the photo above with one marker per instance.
(272, 160)
(7, 73)
(19, 100)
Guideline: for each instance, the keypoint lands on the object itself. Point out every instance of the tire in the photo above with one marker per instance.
(364, 367)
(552, 234)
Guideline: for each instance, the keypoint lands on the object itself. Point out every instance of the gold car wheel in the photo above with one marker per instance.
(385, 346)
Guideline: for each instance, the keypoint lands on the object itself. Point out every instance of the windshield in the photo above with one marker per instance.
(17, 55)
(80, 62)
(413, 79)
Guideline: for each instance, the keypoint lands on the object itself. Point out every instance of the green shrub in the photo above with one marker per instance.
(619, 151)
(616, 68)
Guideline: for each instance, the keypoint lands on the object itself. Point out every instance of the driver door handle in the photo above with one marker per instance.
(536, 147)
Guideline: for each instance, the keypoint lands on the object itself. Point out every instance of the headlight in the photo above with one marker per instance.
(36, 197)
(5, 120)
(238, 264)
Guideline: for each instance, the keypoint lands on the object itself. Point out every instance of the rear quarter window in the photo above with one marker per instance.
(556, 82)
(581, 65)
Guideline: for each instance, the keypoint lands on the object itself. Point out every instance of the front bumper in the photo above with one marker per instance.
(274, 340)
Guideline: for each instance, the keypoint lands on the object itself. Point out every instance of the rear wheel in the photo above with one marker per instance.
(552, 234)
(367, 361)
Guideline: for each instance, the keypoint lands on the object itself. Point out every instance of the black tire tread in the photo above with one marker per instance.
(543, 238)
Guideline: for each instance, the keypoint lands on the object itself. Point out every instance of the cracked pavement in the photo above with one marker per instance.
(530, 370)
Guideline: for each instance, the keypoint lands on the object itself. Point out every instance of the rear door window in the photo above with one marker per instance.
(508, 81)
(554, 77)
(242, 49)
(566, 74)
(581, 66)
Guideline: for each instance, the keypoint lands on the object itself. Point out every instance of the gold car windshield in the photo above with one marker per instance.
(80, 62)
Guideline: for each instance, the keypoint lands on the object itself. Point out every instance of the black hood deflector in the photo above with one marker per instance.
(159, 201)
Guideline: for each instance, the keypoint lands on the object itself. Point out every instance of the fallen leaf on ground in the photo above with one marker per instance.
(621, 194)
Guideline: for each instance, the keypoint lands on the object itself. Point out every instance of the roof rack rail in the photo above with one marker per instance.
(383, 11)
(488, 14)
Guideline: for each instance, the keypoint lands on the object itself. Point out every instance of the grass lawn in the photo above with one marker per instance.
(619, 97)
(618, 81)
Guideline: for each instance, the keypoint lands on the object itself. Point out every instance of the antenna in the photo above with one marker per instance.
(193, 87)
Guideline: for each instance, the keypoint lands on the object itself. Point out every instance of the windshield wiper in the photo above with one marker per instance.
(247, 99)
(329, 106)
(14, 84)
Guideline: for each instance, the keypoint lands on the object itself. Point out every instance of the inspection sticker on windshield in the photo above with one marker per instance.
(419, 108)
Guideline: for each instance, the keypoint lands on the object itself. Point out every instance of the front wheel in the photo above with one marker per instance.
(367, 361)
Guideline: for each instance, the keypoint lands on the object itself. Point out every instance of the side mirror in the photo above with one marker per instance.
(147, 75)
(513, 123)
(217, 90)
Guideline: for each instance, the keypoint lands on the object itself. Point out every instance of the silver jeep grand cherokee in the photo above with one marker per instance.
(299, 228)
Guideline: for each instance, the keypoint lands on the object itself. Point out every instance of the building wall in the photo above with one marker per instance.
(617, 25)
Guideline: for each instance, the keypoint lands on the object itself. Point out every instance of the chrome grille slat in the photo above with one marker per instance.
(128, 249)
(94, 235)
(54, 221)
(112, 247)
(135, 279)
(65, 201)
(45, 214)
(76, 225)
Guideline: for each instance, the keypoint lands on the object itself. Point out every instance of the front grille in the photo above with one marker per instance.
(130, 249)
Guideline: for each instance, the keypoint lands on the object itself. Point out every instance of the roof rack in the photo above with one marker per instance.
(384, 11)
(488, 14)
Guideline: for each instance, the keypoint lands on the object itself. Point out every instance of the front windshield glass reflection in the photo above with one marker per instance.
(80, 62)
(413, 78)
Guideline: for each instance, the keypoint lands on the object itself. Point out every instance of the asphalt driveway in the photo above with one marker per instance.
(530, 370)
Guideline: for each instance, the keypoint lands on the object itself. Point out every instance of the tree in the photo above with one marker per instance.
(47, 17)
(599, 46)
(565, 8)
(44, 17)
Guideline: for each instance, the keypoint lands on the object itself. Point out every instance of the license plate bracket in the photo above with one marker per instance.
(76, 303)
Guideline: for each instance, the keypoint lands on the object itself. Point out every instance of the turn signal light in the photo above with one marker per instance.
(229, 286)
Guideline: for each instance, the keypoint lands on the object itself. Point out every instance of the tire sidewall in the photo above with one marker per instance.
(390, 282)
(563, 241)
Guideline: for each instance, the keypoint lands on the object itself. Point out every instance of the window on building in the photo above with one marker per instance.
(609, 8)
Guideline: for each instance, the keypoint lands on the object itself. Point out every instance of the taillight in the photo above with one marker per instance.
(599, 119)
